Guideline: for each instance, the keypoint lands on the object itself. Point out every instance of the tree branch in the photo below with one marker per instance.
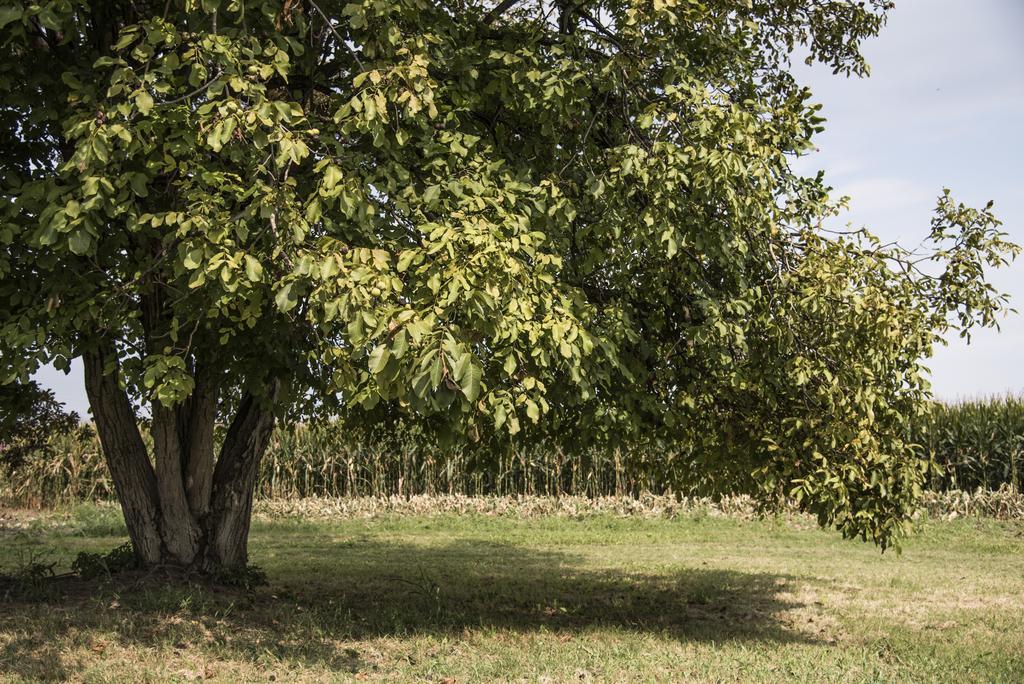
(498, 10)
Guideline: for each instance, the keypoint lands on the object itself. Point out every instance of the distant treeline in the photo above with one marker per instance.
(978, 444)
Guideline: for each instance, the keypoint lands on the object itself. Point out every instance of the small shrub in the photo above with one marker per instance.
(30, 578)
(94, 565)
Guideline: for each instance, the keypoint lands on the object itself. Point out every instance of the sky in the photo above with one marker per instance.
(944, 107)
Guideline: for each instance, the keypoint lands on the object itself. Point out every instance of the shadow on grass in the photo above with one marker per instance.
(325, 595)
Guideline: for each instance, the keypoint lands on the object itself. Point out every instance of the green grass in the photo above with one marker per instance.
(475, 598)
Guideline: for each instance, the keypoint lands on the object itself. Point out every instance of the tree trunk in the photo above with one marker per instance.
(179, 529)
(198, 432)
(188, 511)
(234, 482)
(126, 455)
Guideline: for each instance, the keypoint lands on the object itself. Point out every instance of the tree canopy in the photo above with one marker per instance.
(513, 219)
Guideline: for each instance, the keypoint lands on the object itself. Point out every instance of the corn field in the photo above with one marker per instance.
(978, 444)
(331, 460)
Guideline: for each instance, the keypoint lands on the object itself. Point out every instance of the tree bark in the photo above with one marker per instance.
(125, 451)
(178, 528)
(198, 435)
(234, 482)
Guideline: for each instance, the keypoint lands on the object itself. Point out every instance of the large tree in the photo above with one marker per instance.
(573, 218)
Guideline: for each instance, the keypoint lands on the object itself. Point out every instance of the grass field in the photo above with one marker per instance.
(448, 598)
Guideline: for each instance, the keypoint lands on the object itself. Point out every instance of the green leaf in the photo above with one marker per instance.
(9, 14)
(462, 365)
(140, 184)
(126, 39)
(79, 241)
(400, 344)
(332, 176)
(532, 410)
(436, 372)
(193, 258)
(286, 298)
(253, 269)
(144, 102)
(48, 18)
(471, 382)
(405, 260)
(100, 149)
(671, 244)
(379, 358)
